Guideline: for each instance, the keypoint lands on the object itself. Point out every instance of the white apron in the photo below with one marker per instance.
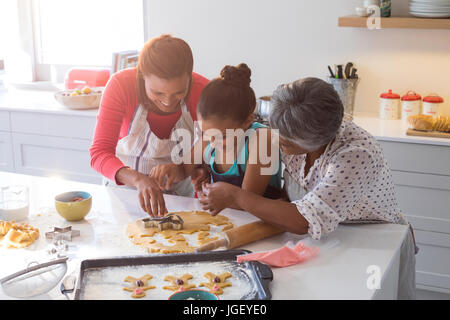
(408, 250)
(142, 150)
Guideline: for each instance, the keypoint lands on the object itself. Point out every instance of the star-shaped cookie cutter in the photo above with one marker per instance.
(63, 233)
(169, 221)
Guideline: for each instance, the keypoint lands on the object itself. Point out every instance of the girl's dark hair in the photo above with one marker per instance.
(228, 96)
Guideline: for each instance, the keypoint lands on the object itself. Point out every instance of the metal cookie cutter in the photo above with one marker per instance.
(169, 221)
(62, 233)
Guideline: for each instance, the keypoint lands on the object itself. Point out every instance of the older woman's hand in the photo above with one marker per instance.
(218, 196)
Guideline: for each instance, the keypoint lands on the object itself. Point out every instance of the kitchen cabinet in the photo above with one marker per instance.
(6, 152)
(417, 157)
(421, 176)
(53, 156)
(6, 155)
(47, 142)
(4, 121)
(53, 124)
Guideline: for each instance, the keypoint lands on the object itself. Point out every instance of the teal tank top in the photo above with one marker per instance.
(238, 167)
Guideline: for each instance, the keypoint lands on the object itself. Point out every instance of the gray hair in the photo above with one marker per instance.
(307, 112)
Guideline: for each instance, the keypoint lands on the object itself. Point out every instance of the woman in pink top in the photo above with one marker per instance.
(140, 108)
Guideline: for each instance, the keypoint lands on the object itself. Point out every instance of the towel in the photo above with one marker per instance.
(282, 257)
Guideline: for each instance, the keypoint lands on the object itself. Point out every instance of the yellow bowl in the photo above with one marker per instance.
(74, 205)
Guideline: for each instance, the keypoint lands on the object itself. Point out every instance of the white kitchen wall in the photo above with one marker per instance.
(284, 40)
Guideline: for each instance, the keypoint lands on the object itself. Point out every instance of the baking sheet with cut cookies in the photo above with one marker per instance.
(199, 227)
(108, 283)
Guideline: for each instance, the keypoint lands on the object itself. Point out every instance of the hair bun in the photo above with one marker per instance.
(238, 76)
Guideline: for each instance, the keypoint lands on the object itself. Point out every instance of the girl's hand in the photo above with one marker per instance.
(218, 196)
(199, 177)
(172, 173)
(150, 196)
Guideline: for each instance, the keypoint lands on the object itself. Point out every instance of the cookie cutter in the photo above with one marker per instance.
(62, 233)
(169, 221)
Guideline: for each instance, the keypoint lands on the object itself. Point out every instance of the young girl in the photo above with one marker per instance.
(226, 105)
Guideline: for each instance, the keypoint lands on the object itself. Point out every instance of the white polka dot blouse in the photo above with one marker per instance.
(350, 182)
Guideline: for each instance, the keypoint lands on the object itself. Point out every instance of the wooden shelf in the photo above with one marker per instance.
(396, 22)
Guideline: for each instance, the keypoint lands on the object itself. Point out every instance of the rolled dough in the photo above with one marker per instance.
(194, 221)
(14, 235)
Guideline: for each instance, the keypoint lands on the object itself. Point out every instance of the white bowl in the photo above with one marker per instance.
(80, 102)
(362, 11)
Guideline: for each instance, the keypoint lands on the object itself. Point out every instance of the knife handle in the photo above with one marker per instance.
(340, 74)
(331, 72)
(347, 71)
(212, 245)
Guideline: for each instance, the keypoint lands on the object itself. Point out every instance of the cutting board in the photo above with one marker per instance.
(432, 134)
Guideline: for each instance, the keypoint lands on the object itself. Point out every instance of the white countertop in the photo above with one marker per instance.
(44, 102)
(394, 130)
(339, 271)
(41, 101)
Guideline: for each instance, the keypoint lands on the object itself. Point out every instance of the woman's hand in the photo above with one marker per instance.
(150, 196)
(218, 196)
(200, 176)
(170, 173)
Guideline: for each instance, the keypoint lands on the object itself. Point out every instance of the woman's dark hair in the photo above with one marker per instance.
(166, 57)
(229, 95)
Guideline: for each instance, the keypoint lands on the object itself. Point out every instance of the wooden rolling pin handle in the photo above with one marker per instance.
(249, 233)
(212, 245)
(242, 235)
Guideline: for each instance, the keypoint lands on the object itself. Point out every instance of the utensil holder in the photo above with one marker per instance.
(346, 89)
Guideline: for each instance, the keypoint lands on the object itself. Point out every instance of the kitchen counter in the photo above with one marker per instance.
(394, 130)
(339, 271)
(42, 101)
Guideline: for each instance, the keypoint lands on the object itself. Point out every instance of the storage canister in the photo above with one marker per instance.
(411, 104)
(432, 105)
(389, 106)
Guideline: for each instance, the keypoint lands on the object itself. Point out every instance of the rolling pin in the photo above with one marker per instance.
(241, 235)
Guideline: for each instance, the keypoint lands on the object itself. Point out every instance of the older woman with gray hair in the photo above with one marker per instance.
(335, 172)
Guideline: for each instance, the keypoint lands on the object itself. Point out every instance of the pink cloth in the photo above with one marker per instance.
(283, 257)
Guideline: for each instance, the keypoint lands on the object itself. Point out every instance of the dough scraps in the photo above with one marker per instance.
(216, 282)
(179, 282)
(14, 235)
(138, 285)
(194, 221)
(202, 237)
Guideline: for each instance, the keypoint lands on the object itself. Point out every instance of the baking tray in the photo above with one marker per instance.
(259, 275)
